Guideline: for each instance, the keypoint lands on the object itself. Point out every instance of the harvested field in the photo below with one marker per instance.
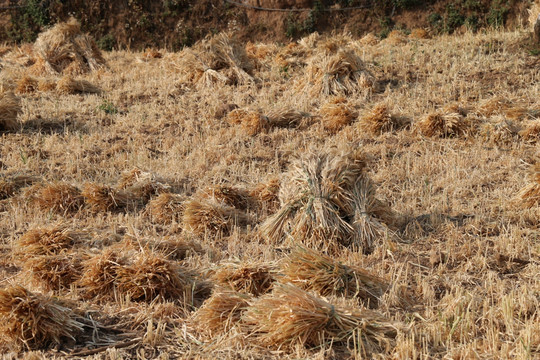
(336, 197)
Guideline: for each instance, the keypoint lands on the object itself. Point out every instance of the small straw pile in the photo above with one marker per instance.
(221, 311)
(313, 271)
(211, 217)
(54, 272)
(46, 241)
(292, 55)
(419, 33)
(339, 73)
(229, 195)
(289, 316)
(10, 107)
(320, 202)
(500, 131)
(102, 198)
(26, 85)
(336, 114)
(250, 278)
(10, 184)
(63, 49)
(68, 85)
(144, 276)
(253, 122)
(379, 120)
(219, 59)
(142, 184)
(266, 194)
(529, 196)
(60, 198)
(446, 123)
(167, 208)
(396, 37)
(369, 39)
(531, 132)
(33, 320)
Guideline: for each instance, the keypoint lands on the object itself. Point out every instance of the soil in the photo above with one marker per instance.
(173, 24)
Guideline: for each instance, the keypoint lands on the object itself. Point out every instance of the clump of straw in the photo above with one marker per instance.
(500, 131)
(142, 184)
(266, 194)
(369, 39)
(290, 316)
(313, 271)
(221, 311)
(531, 132)
(27, 84)
(396, 37)
(101, 198)
(167, 208)
(10, 184)
(419, 33)
(64, 49)
(59, 198)
(33, 320)
(46, 241)
(10, 107)
(252, 122)
(380, 120)
(229, 195)
(68, 85)
(210, 217)
(529, 196)
(443, 124)
(54, 272)
(342, 72)
(336, 114)
(251, 278)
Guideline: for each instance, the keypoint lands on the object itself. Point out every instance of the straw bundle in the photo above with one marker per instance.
(152, 276)
(267, 194)
(46, 241)
(207, 216)
(100, 273)
(500, 131)
(167, 208)
(252, 122)
(531, 133)
(10, 184)
(64, 49)
(150, 53)
(419, 33)
(369, 39)
(251, 278)
(443, 124)
(33, 320)
(68, 85)
(46, 85)
(334, 74)
(288, 118)
(371, 217)
(220, 58)
(501, 106)
(174, 248)
(313, 271)
(228, 195)
(59, 198)
(101, 198)
(290, 56)
(290, 316)
(54, 272)
(10, 107)
(316, 201)
(336, 114)
(379, 120)
(529, 196)
(26, 85)
(396, 37)
(142, 185)
(221, 311)
(534, 15)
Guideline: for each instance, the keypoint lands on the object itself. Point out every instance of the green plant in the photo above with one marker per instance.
(497, 13)
(436, 21)
(472, 22)
(108, 107)
(107, 42)
(386, 24)
(454, 19)
(28, 20)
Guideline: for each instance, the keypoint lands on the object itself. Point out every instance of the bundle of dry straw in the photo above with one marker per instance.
(218, 59)
(313, 271)
(380, 120)
(64, 49)
(101, 198)
(342, 72)
(211, 217)
(336, 114)
(11, 183)
(253, 122)
(290, 316)
(529, 196)
(54, 272)
(446, 123)
(10, 107)
(327, 202)
(68, 85)
(251, 278)
(221, 311)
(167, 208)
(47, 241)
(33, 320)
(59, 198)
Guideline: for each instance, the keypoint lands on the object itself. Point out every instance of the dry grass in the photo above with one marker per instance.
(446, 123)
(229, 195)
(266, 194)
(167, 208)
(26, 85)
(59, 198)
(369, 39)
(290, 316)
(34, 321)
(251, 278)
(10, 107)
(251, 122)
(336, 114)
(210, 217)
(47, 241)
(380, 120)
(396, 37)
(418, 33)
(313, 271)
(529, 196)
(54, 272)
(11, 183)
(64, 49)
(221, 312)
(531, 132)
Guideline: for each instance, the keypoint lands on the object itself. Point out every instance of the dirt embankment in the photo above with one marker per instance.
(177, 23)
